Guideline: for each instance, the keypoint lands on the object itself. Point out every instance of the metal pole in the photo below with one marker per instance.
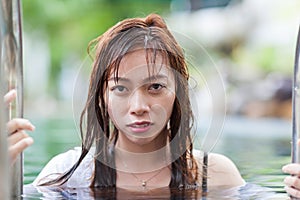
(12, 74)
(4, 164)
(4, 169)
(17, 82)
(296, 105)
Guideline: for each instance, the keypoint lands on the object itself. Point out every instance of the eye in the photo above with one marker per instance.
(156, 87)
(119, 89)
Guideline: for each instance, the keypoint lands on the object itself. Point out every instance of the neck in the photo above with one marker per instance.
(141, 145)
(142, 162)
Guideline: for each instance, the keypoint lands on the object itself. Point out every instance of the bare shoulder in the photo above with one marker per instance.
(221, 170)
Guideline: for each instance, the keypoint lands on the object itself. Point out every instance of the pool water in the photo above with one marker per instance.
(258, 147)
(249, 191)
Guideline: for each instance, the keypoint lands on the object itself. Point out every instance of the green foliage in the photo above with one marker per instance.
(70, 24)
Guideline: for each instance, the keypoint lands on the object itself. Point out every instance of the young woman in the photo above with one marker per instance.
(138, 117)
(136, 125)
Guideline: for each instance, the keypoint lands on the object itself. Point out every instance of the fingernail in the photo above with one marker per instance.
(283, 168)
(13, 91)
(29, 141)
(32, 127)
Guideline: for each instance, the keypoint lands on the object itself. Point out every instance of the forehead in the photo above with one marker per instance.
(137, 63)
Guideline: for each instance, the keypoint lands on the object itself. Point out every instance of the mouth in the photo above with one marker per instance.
(141, 126)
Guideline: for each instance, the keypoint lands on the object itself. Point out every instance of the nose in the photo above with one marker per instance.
(138, 103)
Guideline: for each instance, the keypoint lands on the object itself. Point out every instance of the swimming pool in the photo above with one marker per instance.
(259, 147)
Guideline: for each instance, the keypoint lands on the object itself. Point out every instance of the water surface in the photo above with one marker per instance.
(258, 147)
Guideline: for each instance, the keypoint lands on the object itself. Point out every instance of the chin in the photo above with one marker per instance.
(141, 141)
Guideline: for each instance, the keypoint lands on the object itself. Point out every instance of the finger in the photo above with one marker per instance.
(293, 168)
(10, 96)
(17, 148)
(19, 123)
(293, 192)
(292, 181)
(14, 138)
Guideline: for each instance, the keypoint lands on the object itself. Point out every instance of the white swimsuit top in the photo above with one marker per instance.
(82, 176)
(59, 164)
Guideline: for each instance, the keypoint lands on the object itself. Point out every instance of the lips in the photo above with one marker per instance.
(139, 124)
(139, 127)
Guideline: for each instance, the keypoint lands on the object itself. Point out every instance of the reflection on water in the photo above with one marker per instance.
(249, 191)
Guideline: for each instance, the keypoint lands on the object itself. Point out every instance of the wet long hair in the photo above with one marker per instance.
(152, 35)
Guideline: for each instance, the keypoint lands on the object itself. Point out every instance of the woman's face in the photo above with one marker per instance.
(141, 102)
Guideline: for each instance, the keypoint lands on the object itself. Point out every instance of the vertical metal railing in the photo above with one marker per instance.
(11, 77)
(296, 105)
(4, 164)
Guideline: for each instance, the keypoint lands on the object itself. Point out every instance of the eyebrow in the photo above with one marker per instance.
(118, 79)
(150, 78)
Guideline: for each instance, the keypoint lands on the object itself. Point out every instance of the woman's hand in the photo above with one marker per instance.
(18, 139)
(292, 182)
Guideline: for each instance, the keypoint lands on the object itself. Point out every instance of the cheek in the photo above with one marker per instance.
(164, 106)
(116, 108)
(168, 103)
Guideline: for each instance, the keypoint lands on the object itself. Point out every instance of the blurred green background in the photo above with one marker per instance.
(251, 42)
(67, 26)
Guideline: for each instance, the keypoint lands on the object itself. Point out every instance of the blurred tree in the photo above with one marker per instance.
(69, 25)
